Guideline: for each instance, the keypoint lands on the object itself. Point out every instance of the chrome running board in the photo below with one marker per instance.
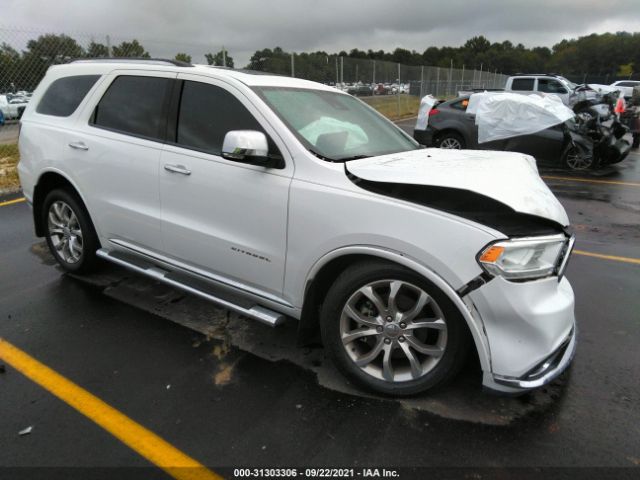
(190, 284)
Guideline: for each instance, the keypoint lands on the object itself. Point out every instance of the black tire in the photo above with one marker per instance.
(636, 140)
(87, 259)
(457, 339)
(569, 161)
(451, 138)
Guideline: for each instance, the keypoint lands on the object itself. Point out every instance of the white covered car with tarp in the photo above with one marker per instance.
(584, 136)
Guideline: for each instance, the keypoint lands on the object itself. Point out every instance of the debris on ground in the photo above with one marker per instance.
(25, 431)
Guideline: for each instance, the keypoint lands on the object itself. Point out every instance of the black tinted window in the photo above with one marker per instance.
(207, 113)
(522, 84)
(65, 94)
(135, 105)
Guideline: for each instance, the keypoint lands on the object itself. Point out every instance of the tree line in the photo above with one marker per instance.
(24, 70)
(611, 54)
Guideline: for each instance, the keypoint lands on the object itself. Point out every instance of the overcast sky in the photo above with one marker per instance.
(243, 26)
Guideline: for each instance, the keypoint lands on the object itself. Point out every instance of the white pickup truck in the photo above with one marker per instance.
(12, 108)
(541, 83)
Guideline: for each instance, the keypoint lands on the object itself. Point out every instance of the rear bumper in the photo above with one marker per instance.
(424, 137)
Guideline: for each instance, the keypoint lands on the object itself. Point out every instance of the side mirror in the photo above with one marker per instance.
(246, 146)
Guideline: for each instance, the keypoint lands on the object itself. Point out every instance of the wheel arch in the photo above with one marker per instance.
(325, 271)
(48, 181)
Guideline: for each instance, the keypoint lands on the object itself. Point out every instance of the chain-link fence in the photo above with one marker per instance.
(392, 88)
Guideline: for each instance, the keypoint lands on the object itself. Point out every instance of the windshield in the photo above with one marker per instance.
(571, 85)
(335, 126)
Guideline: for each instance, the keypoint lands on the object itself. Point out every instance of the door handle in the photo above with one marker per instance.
(181, 169)
(78, 146)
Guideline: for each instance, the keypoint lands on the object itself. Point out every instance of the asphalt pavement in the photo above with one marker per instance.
(229, 392)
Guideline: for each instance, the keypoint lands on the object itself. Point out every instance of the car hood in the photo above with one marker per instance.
(507, 177)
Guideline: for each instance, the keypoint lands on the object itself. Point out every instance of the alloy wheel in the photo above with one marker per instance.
(576, 161)
(451, 143)
(393, 330)
(65, 232)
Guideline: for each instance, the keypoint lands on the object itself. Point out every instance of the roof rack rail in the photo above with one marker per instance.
(519, 74)
(150, 61)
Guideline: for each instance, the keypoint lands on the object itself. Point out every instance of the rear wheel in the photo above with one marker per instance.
(636, 140)
(391, 331)
(69, 232)
(451, 141)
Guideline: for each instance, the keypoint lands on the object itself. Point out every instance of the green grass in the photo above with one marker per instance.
(9, 157)
(394, 108)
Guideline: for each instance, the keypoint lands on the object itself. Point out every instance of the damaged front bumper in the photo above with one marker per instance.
(530, 329)
(543, 373)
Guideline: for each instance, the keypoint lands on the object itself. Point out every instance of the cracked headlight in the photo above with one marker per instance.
(524, 258)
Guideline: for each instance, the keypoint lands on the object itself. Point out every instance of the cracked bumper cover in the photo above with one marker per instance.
(530, 330)
(542, 374)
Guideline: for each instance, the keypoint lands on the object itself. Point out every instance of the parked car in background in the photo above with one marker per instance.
(626, 86)
(541, 83)
(381, 89)
(279, 197)
(360, 89)
(12, 107)
(580, 143)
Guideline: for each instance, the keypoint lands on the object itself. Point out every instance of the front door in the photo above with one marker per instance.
(218, 215)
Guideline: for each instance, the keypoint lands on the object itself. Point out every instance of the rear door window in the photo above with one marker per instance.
(135, 105)
(522, 84)
(65, 94)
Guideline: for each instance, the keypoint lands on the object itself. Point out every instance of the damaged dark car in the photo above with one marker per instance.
(589, 138)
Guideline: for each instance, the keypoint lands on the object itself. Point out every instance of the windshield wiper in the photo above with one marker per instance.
(354, 157)
(322, 157)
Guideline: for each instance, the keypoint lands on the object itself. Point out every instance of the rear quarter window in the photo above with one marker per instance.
(460, 105)
(522, 84)
(65, 94)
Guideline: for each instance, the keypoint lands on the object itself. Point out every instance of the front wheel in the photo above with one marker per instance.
(390, 331)
(575, 159)
(69, 232)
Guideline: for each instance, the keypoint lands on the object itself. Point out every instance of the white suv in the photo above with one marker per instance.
(278, 197)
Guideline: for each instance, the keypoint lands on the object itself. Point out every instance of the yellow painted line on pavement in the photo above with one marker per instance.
(11, 202)
(589, 180)
(608, 257)
(144, 442)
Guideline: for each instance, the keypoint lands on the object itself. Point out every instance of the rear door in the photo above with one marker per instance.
(221, 216)
(114, 153)
(545, 145)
